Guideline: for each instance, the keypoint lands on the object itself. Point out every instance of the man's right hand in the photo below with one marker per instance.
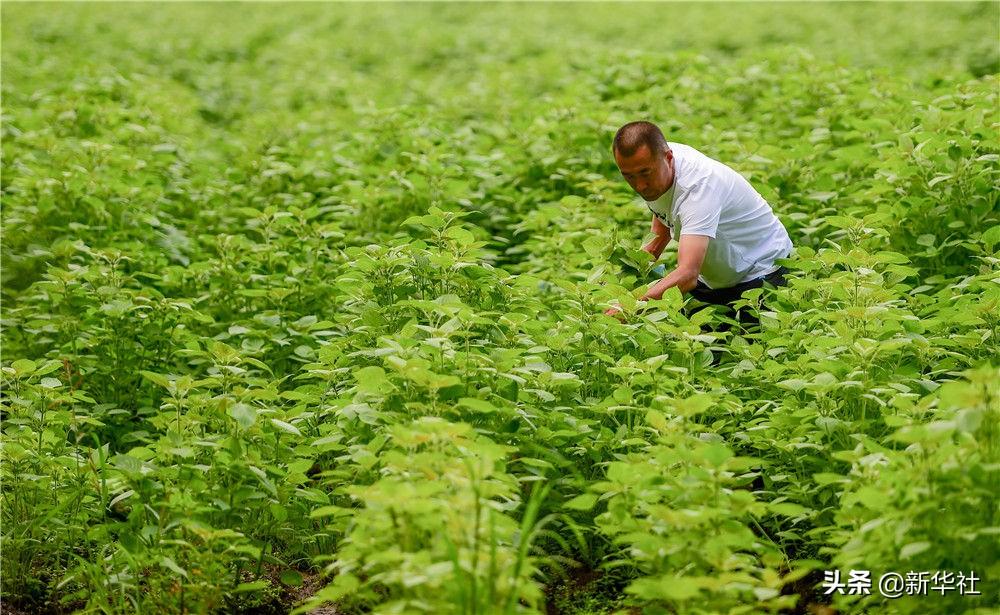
(615, 312)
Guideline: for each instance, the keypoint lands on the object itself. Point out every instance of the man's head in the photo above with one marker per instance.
(644, 159)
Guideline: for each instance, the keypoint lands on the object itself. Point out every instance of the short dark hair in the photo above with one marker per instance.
(634, 135)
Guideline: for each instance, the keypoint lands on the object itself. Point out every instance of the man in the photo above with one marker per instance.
(728, 236)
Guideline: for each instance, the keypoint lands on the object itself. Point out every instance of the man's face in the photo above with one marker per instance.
(648, 174)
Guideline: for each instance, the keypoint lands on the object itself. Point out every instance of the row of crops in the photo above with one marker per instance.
(302, 307)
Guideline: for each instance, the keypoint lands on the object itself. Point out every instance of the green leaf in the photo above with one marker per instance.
(372, 380)
(913, 548)
(258, 363)
(594, 246)
(329, 511)
(23, 367)
(825, 478)
(117, 308)
(787, 509)
(991, 237)
(869, 497)
(223, 353)
(793, 384)
(479, 405)
(120, 498)
(584, 501)
(716, 454)
(171, 565)
(157, 379)
(328, 443)
(673, 588)
(765, 593)
(48, 367)
(264, 480)
(291, 577)
(283, 426)
(244, 415)
(460, 235)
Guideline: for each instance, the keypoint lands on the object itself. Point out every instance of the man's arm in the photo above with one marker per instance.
(690, 255)
(657, 244)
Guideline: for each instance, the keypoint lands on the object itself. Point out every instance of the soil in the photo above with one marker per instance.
(311, 583)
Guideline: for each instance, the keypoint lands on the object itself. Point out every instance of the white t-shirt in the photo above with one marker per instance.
(709, 198)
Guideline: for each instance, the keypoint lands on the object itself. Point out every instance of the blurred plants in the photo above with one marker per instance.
(337, 334)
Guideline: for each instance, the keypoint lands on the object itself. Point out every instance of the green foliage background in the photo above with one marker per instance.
(306, 300)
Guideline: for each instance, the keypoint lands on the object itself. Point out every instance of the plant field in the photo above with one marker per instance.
(303, 308)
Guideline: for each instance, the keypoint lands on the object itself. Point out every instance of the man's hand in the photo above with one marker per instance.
(690, 255)
(691, 251)
(618, 313)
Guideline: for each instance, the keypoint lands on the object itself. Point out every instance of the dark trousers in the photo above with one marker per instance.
(727, 296)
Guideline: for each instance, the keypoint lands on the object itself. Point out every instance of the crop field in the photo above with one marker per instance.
(303, 311)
